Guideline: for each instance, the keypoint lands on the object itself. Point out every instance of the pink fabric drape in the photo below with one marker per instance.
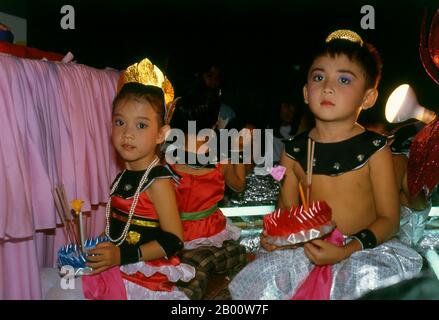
(106, 285)
(55, 129)
(317, 286)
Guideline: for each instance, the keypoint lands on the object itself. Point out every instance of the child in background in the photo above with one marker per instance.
(209, 239)
(353, 172)
(290, 118)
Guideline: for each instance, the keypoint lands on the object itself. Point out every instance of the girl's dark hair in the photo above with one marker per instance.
(366, 56)
(151, 94)
(201, 105)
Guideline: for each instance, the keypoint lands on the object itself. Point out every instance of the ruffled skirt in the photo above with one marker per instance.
(209, 231)
(276, 275)
(153, 280)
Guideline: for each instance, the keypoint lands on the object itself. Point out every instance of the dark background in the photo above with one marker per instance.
(262, 45)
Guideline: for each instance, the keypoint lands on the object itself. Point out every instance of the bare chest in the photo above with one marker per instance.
(349, 195)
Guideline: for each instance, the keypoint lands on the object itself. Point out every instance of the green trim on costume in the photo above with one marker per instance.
(185, 216)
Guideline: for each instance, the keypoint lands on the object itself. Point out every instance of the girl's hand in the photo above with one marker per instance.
(104, 256)
(322, 252)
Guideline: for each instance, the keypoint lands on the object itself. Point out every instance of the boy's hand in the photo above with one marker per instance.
(321, 252)
(105, 255)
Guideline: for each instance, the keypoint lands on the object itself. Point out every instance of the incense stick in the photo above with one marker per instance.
(64, 212)
(302, 197)
(59, 210)
(309, 169)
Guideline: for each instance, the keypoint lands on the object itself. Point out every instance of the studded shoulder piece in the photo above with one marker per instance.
(338, 157)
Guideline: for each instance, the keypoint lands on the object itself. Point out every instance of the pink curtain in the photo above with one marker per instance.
(55, 123)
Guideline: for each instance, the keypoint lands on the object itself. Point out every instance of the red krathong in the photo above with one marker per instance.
(284, 222)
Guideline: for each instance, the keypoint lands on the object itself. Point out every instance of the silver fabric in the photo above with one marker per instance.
(276, 275)
(430, 240)
(302, 236)
(260, 190)
(418, 230)
(412, 225)
(250, 239)
(251, 228)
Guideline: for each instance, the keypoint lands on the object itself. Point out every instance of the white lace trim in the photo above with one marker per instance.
(183, 272)
(228, 233)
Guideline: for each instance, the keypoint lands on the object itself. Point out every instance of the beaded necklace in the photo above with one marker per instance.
(123, 236)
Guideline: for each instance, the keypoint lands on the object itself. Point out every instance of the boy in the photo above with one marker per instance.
(353, 172)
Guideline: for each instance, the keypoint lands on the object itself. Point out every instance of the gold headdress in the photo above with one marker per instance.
(146, 73)
(346, 35)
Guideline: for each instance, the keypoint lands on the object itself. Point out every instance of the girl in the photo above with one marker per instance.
(142, 216)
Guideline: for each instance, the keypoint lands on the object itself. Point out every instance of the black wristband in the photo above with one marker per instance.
(129, 253)
(169, 242)
(366, 238)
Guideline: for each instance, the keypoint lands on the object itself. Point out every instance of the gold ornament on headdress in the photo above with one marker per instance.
(149, 74)
(346, 35)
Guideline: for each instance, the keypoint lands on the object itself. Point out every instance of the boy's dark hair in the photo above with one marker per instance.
(200, 105)
(365, 55)
(151, 94)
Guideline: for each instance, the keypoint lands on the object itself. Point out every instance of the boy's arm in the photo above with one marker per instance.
(386, 195)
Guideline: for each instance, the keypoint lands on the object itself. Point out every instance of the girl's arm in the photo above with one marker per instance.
(234, 174)
(162, 195)
(289, 190)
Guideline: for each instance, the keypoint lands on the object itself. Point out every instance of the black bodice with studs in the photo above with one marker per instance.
(338, 157)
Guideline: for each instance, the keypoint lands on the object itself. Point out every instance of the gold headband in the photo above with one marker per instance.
(148, 74)
(346, 35)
